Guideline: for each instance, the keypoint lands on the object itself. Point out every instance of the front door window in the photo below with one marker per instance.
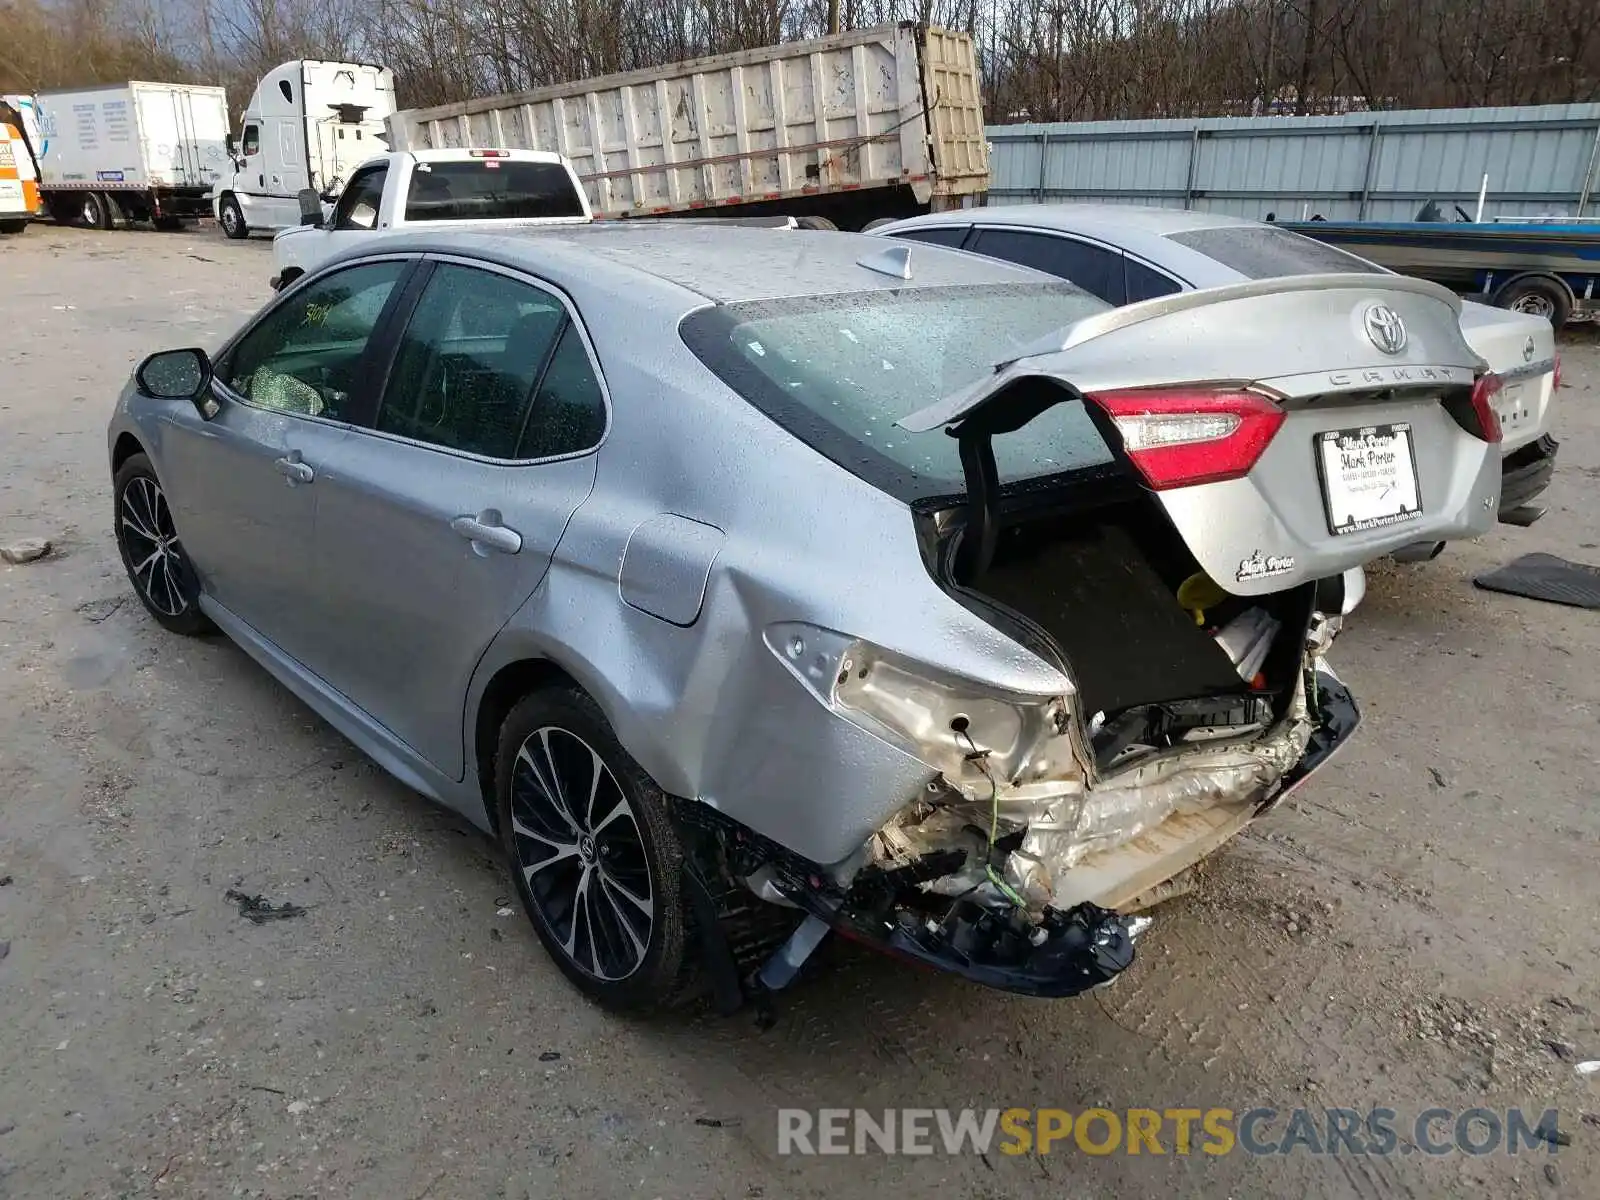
(306, 355)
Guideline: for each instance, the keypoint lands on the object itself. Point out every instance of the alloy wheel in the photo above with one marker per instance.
(152, 542)
(580, 852)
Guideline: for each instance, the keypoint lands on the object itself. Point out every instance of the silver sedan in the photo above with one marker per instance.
(1128, 253)
(751, 583)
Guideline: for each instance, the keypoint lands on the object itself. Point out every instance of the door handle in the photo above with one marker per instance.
(294, 468)
(486, 533)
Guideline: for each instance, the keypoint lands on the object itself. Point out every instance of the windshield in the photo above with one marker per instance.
(1262, 252)
(489, 188)
(839, 371)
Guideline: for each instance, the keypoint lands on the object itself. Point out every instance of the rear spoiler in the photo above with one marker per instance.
(949, 409)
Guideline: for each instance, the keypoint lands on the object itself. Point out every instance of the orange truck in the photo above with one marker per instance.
(19, 181)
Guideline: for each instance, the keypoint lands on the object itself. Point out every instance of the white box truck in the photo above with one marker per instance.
(849, 128)
(309, 124)
(136, 151)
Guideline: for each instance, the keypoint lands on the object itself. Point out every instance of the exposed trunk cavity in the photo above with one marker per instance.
(1160, 654)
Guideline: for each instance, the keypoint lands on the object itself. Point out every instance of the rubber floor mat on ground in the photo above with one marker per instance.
(1546, 577)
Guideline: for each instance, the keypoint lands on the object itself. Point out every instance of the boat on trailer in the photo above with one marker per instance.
(1546, 266)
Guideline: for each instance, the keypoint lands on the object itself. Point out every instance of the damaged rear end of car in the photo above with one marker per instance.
(1215, 468)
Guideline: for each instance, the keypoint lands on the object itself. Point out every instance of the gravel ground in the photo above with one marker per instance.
(1416, 930)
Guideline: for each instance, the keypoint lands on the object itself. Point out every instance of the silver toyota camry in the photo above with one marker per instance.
(748, 584)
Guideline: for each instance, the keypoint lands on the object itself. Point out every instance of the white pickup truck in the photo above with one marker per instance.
(426, 189)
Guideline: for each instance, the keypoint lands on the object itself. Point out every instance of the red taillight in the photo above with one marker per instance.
(1483, 393)
(1555, 380)
(1179, 437)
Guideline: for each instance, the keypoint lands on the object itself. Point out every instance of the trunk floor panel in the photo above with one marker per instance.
(1117, 620)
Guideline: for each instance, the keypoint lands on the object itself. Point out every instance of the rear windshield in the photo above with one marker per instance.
(839, 371)
(1262, 252)
(489, 188)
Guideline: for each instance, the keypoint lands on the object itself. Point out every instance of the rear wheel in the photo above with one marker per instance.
(1537, 297)
(94, 212)
(815, 223)
(594, 856)
(151, 552)
(231, 218)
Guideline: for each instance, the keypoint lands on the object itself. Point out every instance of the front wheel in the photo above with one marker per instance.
(153, 556)
(231, 218)
(594, 856)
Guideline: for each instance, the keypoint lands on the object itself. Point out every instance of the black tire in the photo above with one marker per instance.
(815, 223)
(878, 224)
(644, 957)
(94, 211)
(231, 217)
(160, 572)
(1539, 297)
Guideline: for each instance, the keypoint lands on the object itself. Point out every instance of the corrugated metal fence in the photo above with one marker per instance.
(1379, 166)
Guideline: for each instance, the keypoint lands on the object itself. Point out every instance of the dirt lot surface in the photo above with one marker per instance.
(1419, 929)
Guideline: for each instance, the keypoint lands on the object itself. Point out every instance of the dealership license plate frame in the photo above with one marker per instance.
(1392, 429)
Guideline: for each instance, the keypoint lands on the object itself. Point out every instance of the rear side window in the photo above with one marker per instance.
(569, 413)
(1263, 252)
(491, 188)
(952, 237)
(493, 366)
(1095, 270)
(839, 371)
(1145, 283)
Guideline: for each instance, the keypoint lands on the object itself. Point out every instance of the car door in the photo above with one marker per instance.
(441, 519)
(250, 178)
(289, 171)
(1095, 269)
(244, 483)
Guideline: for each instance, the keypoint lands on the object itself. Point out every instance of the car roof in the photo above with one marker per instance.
(1085, 218)
(1141, 230)
(722, 263)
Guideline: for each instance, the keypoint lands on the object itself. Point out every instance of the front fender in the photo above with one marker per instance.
(299, 249)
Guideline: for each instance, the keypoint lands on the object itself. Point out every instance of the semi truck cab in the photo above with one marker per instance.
(308, 124)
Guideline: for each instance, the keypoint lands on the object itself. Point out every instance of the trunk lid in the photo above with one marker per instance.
(1521, 350)
(1290, 428)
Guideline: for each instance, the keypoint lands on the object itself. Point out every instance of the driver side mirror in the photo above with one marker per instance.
(179, 375)
(310, 207)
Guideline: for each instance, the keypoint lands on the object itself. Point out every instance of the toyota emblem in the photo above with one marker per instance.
(1385, 328)
(1528, 350)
